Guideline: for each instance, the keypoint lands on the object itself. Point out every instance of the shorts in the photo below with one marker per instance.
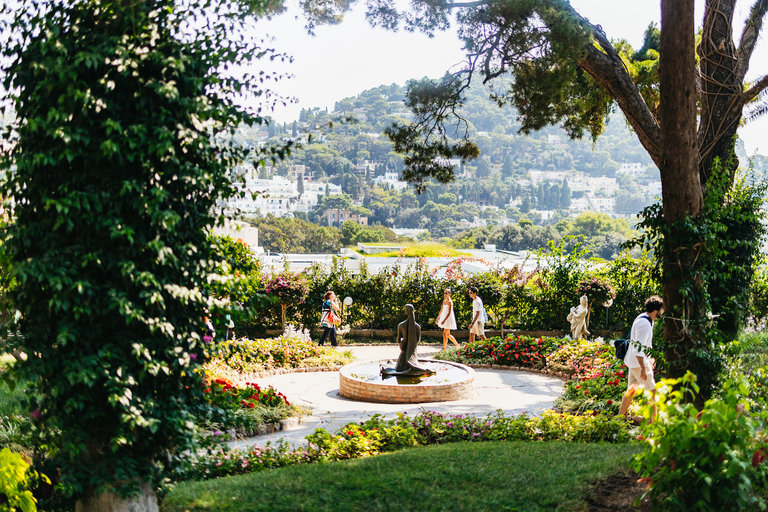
(634, 380)
(478, 329)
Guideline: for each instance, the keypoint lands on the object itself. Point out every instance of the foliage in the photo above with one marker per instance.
(556, 287)
(747, 357)
(581, 357)
(536, 299)
(759, 290)
(285, 235)
(249, 356)
(634, 280)
(15, 479)
(597, 291)
(601, 390)
(121, 154)
(242, 408)
(289, 287)
(223, 394)
(712, 459)
(377, 435)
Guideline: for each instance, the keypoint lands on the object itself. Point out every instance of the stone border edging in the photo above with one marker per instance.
(307, 369)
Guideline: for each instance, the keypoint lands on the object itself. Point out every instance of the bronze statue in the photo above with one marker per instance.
(408, 337)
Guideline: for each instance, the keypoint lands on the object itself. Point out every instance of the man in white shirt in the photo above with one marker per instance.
(638, 360)
(477, 326)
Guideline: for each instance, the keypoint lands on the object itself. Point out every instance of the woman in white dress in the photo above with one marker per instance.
(446, 320)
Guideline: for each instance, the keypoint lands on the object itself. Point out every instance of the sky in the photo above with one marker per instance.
(346, 59)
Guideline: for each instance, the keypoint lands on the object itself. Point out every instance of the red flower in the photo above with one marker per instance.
(758, 457)
(609, 402)
(647, 480)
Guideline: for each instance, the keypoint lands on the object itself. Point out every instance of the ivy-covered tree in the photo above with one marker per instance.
(120, 157)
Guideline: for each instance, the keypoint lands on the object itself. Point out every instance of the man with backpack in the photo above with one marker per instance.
(638, 360)
(477, 326)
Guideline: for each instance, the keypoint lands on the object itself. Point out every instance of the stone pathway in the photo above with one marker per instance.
(507, 390)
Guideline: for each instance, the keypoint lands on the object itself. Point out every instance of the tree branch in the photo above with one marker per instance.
(753, 91)
(750, 35)
(608, 70)
(613, 77)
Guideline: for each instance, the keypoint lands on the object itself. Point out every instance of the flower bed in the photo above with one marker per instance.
(245, 408)
(512, 350)
(293, 350)
(598, 379)
(379, 435)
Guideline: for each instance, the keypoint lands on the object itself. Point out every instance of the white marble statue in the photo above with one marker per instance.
(578, 319)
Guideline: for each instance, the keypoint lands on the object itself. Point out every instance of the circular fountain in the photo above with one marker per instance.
(363, 381)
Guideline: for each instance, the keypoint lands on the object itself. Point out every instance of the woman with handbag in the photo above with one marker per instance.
(329, 317)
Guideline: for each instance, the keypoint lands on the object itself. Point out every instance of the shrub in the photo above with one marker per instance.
(248, 356)
(581, 357)
(15, 480)
(713, 459)
(378, 435)
(600, 391)
(596, 290)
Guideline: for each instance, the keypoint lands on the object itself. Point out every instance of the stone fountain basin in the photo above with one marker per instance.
(363, 382)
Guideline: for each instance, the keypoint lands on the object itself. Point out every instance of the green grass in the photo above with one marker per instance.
(420, 250)
(458, 477)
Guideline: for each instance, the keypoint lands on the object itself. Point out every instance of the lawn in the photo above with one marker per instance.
(523, 476)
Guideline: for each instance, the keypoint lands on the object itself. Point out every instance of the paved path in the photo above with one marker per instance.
(510, 391)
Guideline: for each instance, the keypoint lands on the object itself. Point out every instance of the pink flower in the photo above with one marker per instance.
(193, 357)
(36, 414)
(207, 339)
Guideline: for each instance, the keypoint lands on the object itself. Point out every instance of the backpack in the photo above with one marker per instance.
(621, 346)
(483, 315)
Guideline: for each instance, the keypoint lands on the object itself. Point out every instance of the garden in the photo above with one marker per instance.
(729, 452)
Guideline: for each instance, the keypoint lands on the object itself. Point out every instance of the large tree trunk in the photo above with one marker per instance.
(111, 502)
(681, 187)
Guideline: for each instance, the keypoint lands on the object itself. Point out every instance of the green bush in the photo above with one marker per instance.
(524, 300)
(15, 480)
(248, 356)
(602, 390)
(713, 459)
(378, 435)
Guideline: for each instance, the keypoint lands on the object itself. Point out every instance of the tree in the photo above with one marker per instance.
(120, 152)
(573, 77)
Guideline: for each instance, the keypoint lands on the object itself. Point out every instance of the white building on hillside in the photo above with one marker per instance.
(551, 176)
(392, 179)
(634, 169)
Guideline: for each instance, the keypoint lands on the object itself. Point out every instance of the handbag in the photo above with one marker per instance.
(334, 318)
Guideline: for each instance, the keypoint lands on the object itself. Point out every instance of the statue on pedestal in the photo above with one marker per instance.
(408, 337)
(578, 319)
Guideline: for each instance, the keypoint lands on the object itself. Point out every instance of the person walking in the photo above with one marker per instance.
(446, 320)
(330, 304)
(638, 360)
(477, 326)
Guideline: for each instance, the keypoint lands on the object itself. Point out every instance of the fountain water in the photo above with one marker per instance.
(365, 382)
